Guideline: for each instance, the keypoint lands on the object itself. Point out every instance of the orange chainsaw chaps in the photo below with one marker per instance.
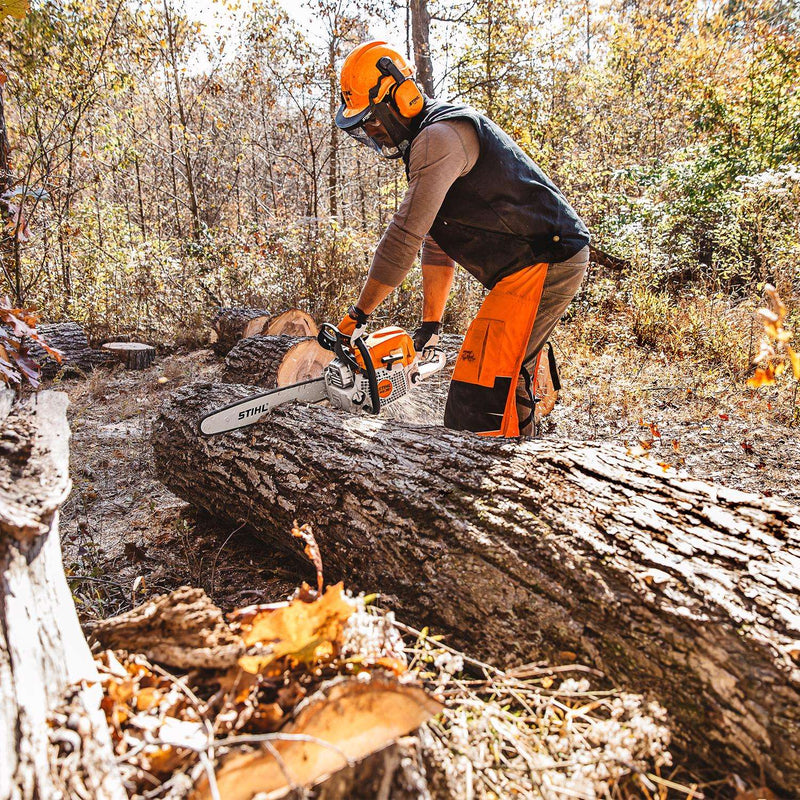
(482, 395)
(391, 341)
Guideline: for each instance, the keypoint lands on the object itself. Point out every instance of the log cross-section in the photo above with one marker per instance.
(523, 549)
(271, 361)
(230, 325)
(45, 663)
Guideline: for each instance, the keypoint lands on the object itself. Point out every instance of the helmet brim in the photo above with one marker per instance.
(348, 118)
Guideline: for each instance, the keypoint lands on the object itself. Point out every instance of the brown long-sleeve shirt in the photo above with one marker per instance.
(440, 154)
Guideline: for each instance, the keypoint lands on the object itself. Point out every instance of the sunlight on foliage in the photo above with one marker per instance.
(775, 354)
(14, 8)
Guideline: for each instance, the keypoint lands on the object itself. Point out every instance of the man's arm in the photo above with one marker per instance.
(439, 155)
(373, 294)
(437, 278)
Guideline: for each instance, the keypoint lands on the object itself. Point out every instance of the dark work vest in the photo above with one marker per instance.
(505, 213)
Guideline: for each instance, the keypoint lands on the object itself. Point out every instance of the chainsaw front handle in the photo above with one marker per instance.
(434, 362)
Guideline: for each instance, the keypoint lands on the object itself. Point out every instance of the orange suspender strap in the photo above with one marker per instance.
(482, 392)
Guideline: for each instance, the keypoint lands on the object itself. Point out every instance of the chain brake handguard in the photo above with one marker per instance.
(331, 338)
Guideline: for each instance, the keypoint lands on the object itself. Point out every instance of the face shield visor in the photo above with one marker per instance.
(378, 127)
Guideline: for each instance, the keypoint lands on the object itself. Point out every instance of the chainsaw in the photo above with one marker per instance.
(366, 375)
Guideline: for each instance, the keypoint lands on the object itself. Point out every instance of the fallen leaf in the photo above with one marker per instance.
(762, 793)
(147, 698)
(311, 549)
(762, 377)
(13, 8)
(303, 632)
(354, 716)
(794, 357)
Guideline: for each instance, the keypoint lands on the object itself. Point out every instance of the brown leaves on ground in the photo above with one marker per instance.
(143, 706)
(17, 325)
(297, 651)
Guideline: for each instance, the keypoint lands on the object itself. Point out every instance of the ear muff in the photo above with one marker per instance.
(408, 98)
(405, 93)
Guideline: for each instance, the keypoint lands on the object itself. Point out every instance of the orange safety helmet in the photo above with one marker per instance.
(375, 74)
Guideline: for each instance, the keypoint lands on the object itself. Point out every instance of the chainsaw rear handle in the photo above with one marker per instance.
(331, 338)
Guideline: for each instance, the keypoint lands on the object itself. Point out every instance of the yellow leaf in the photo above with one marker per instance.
(794, 357)
(762, 377)
(303, 632)
(147, 698)
(13, 8)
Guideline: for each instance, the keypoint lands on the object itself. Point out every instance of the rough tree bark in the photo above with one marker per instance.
(232, 324)
(521, 550)
(43, 655)
(71, 340)
(271, 361)
(420, 36)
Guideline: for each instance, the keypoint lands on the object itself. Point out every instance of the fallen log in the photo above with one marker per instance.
(54, 741)
(183, 629)
(523, 550)
(71, 340)
(229, 325)
(272, 361)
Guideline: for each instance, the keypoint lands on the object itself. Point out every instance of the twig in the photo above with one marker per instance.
(211, 775)
(691, 792)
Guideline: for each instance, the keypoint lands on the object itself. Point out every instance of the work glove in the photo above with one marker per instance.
(427, 335)
(353, 323)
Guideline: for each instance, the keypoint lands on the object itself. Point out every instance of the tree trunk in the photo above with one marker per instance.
(420, 35)
(71, 340)
(527, 549)
(229, 325)
(271, 361)
(8, 262)
(134, 355)
(53, 736)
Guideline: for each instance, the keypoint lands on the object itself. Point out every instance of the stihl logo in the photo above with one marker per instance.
(252, 411)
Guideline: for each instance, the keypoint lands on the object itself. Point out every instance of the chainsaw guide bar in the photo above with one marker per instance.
(366, 375)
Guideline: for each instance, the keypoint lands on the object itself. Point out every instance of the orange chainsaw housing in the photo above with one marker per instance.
(391, 341)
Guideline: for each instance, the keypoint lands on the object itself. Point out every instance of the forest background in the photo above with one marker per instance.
(161, 167)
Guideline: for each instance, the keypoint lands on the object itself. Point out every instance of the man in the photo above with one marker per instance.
(474, 197)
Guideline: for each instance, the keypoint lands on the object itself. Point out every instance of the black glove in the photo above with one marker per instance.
(427, 335)
(353, 322)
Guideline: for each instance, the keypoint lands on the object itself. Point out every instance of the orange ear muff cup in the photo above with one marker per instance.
(408, 98)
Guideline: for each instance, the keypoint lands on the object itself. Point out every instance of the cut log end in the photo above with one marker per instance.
(134, 355)
(293, 322)
(232, 325)
(272, 361)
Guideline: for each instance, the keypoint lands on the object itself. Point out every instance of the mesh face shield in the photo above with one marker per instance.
(392, 144)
